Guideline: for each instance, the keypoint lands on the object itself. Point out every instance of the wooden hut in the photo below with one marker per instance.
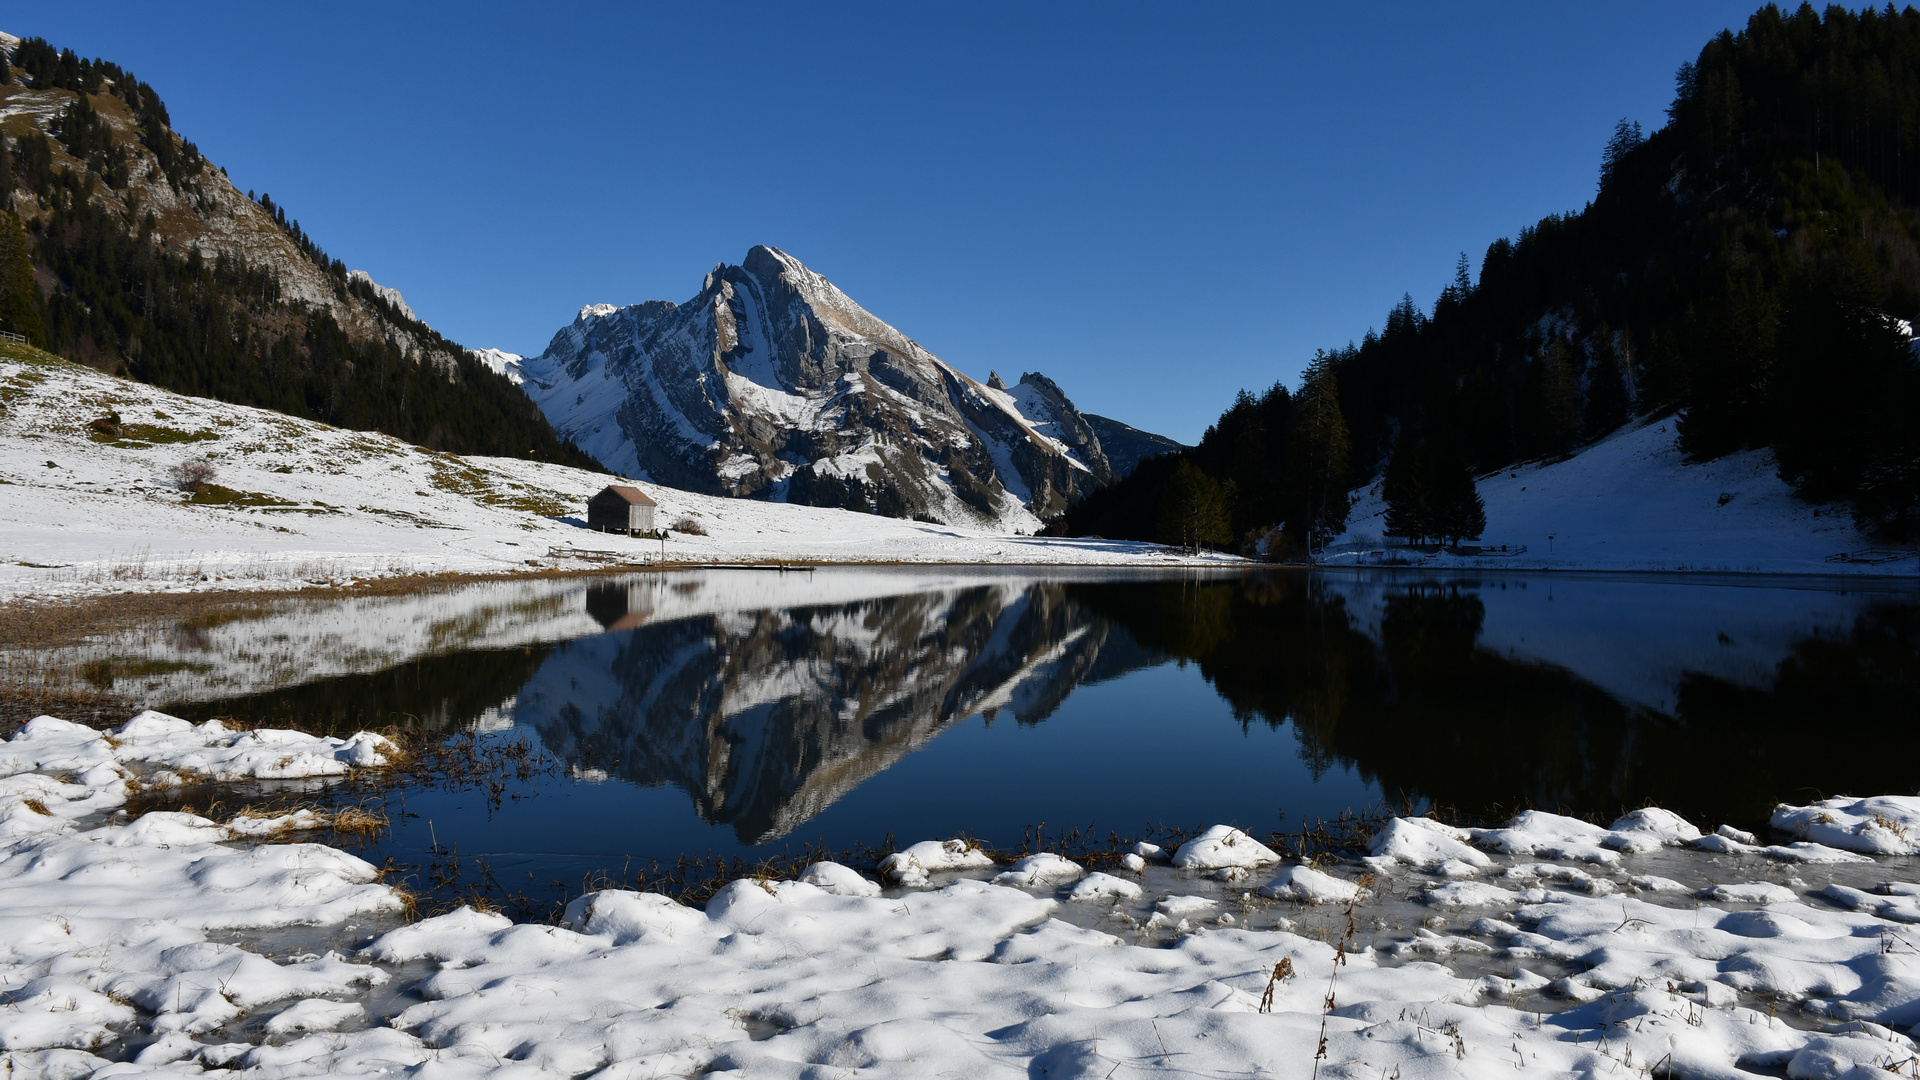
(619, 508)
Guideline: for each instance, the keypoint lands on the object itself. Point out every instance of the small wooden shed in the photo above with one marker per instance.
(620, 508)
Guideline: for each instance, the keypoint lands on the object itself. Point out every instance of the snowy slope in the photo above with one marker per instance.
(1633, 502)
(86, 511)
(501, 363)
(772, 383)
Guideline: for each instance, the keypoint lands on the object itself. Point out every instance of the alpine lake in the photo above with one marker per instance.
(654, 727)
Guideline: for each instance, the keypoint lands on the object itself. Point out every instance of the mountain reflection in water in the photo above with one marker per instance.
(1588, 694)
(766, 717)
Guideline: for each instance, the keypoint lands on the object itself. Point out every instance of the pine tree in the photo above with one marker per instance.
(1607, 404)
(1193, 510)
(1626, 139)
(1844, 397)
(1556, 400)
(17, 288)
(1458, 511)
(1404, 487)
(1320, 454)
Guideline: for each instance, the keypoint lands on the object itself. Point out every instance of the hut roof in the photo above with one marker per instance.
(628, 494)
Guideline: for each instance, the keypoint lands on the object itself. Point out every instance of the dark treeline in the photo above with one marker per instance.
(114, 291)
(1747, 265)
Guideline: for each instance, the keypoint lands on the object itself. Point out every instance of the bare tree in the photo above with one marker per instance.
(192, 475)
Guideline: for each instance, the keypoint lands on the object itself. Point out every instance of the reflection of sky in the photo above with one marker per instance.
(1635, 637)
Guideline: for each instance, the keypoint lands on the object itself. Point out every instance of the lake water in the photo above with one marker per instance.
(751, 713)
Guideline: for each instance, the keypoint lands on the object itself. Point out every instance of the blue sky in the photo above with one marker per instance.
(1154, 205)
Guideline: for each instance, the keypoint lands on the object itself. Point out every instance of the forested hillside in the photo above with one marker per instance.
(1753, 264)
(123, 248)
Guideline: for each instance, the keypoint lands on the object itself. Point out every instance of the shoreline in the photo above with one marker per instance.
(387, 585)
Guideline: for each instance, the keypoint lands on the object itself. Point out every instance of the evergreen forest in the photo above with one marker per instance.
(1751, 267)
(86, 275)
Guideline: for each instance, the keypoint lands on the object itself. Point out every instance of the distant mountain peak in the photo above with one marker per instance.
(773, 383)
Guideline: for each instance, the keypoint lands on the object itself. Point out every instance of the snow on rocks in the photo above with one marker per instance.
(1042, 870)
(1884, 825)
(1098, 886)
(839, 880)
(1310, 886)
(315, 1014)
(179, 748)
(1426, 844)
(1223, 847)
(102, 926)
(915, 866)
(1751, 892)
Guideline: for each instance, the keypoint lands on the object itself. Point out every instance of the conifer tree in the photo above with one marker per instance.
(1404, 487)
(17, 288)
(1194, 510)
(1320, 454)
(1626, 139)
(1607, 404)
(1555, 404)
(1458, 511)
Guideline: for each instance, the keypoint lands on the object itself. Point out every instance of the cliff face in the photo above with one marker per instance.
(772, 383)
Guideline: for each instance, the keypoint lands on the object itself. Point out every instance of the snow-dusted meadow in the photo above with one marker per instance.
(84, 512)
(175, 944)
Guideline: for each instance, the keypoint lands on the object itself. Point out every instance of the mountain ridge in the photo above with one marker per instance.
(773, 383)
(141, 257)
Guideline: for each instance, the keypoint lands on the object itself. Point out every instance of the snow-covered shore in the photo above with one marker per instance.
(1549, 946)
(1633, 502)
(85, 511)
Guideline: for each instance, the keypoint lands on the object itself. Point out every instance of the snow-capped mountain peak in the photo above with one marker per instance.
(773, 383)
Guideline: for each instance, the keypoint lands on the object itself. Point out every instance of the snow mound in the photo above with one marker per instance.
(1040, 870)
(1883, 825)
(1098, 886)
(1428, 844)
(1310, 886)
(1223, 847)
(839, 880)
(914, 866)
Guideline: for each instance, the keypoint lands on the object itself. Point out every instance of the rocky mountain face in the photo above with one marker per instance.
(1128, 446)
(772, 383)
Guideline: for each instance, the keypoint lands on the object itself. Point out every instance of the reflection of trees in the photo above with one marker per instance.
(766, 717)
(427, 695)
(1424, 712)
(1837, 719)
